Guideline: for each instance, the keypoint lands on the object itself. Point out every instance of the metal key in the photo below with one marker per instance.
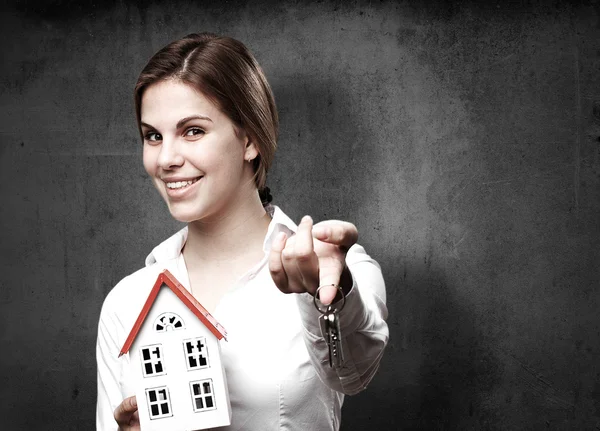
(329, 321)
(330, 327)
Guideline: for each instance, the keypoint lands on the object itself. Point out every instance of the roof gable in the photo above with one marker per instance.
(165, 278)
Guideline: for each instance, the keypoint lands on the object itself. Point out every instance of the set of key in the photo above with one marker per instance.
(329, 321)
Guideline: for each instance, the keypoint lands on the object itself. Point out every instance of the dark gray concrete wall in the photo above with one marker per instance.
(462, 139)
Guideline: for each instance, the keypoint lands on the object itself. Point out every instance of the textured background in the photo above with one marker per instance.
(461, 138)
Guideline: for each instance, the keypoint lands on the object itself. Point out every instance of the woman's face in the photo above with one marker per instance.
(193, 154)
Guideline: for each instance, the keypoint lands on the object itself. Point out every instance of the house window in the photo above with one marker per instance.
(168, 322)
(159, 402)
(196, 353)
(152, 360)
(203, 397)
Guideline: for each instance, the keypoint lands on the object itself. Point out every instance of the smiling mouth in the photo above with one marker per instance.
(174, 185)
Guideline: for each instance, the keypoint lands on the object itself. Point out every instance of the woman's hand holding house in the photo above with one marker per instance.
(126, 415)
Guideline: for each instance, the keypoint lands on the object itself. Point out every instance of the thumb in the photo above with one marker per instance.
(125, 410)
(130, 404)
(336, 232)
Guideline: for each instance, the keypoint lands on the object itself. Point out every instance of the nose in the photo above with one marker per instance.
(170, 157)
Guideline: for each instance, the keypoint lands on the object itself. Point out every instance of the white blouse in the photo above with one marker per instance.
(275, 358)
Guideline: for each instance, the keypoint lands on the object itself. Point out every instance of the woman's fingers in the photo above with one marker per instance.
(340, 233)
(127, 407)
(276, 264)
(304, 254)
(299, 265)
(292, 271)
(282, 264)
(340, 236)
(327, 293)
(293, 264)
(125, 414)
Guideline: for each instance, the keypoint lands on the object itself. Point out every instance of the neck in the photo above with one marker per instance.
(237, 233)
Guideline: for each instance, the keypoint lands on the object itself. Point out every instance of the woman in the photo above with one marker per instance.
(208, 122)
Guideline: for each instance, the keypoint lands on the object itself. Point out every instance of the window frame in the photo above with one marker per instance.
(153, 361)
(202, 395)
(159, 403)
(196, 355)
(168, 326)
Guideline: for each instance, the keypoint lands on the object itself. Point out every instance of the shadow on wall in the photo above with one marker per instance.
(326, 166)
(457, 371)
(326, 161)
(437, 372)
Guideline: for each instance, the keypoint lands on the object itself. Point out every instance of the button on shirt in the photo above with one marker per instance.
(275, 357)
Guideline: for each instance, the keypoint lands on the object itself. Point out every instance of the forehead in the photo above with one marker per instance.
(170, 100)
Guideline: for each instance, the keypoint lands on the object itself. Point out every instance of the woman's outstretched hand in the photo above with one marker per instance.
(314, 257)
(127, 416)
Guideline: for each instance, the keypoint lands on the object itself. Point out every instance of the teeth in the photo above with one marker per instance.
(180, 184)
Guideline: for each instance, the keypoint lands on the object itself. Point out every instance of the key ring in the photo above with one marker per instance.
(317, 301)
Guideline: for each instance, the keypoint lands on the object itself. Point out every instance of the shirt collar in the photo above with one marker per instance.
(171, 247)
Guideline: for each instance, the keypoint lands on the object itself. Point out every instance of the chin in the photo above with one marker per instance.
(186, 216)
(183, 218)
(189, 214)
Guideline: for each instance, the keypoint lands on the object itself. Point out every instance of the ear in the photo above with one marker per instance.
(251, 151)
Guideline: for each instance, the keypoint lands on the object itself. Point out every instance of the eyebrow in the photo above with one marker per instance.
(181, 122)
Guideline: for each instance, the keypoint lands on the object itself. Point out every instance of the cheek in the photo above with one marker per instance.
(149, 160)
(225, 161)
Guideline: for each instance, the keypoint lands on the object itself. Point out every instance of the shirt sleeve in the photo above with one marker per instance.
(362, 323)
(109, 369)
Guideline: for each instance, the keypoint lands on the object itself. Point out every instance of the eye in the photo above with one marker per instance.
(153, 136)
(194, 131)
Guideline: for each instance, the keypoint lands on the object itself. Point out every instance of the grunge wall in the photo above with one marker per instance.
(462, 138)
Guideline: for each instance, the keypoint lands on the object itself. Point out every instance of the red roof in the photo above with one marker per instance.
(165, 278)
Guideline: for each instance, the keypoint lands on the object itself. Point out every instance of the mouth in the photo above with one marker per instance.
(179, 185)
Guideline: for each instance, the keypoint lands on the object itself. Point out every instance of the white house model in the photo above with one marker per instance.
(175, 357)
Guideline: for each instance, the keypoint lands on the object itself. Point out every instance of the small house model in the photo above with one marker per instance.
(175, 357)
